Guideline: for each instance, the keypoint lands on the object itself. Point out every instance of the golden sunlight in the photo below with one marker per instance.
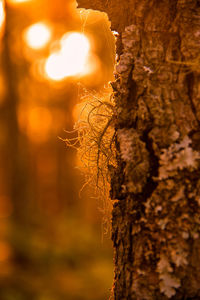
(39, 124)
(36, 122)
(17, 1)
(2, 13)
(5, 251)
(37, 35)
(72, 58)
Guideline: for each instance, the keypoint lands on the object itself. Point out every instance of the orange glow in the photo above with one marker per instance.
(6, 207)
(72, 58)
(17, 1)
(37, 35)
(36, 122)
(3, 87)
(54, 67)
(39, 124)
(5, 251)
(2, 14)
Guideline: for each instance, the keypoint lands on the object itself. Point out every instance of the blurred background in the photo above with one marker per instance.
(51, 245)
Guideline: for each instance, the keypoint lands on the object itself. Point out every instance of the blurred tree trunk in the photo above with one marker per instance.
(156, 220)
(15, 146)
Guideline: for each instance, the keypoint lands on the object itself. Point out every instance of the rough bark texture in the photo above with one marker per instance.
(156, 220)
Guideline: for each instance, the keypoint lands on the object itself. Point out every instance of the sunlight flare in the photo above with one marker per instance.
(2, 14)
(72, 58)
(54, 66)
(17, 1)
(37, 35)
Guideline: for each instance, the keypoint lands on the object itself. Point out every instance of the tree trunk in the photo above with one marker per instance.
(14, 150)
(156, 220)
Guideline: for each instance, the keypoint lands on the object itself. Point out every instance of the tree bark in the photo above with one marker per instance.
(156, 220)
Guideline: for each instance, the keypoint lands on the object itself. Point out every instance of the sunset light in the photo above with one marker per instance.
(36, 123)
(56, 61)
(71, 59)
(17, 1)
(2, 14)
(37, 35)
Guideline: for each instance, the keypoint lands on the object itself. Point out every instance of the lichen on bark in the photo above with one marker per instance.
(156, 223)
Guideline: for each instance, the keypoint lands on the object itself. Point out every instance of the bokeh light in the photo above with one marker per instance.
(2, 14)
(17, 1)
(37, 35)
(52, 56)
(54, 66)
(72, 58)
(70, 43)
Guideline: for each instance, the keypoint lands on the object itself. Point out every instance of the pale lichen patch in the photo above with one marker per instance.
(134, 153)
(178, 156)
(178, 254)
(168, 282)
(185, 235)
(179, 195)
(126, 139)
(126, 59)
